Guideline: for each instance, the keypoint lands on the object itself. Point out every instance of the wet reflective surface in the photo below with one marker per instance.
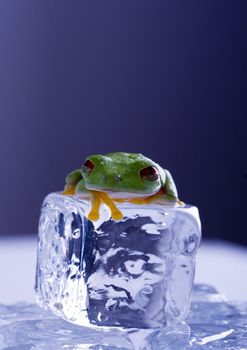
(212, 323)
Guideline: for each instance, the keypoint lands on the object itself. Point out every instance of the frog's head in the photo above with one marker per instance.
(122, 172)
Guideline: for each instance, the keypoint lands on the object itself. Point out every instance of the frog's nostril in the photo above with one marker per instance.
(104, 177)
(118, 178)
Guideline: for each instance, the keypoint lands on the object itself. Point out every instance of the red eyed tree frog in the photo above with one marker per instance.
(119, 177)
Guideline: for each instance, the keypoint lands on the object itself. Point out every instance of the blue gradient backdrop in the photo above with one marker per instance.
(164, 78)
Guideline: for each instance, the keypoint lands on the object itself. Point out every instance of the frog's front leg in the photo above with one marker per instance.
(72, 179)
(80, 188)
(169, 188)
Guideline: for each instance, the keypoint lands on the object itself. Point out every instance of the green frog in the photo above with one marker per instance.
(121, 177)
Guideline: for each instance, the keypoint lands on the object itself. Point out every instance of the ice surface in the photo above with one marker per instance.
(212, 323)
(137, 272)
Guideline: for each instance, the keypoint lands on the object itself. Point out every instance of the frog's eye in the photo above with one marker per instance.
(149, 173)
(88, 166)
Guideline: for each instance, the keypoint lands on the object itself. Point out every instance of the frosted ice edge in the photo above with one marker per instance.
(137, 272)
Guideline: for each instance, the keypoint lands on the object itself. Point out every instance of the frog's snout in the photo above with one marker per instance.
(104, 177)
(115, 178)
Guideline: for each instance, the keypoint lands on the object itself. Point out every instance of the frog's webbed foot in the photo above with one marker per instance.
(144, 200)
(94, 212)
(115, 212)
(97, 198)
(69, 189)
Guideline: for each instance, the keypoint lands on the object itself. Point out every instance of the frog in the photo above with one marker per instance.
(121, 177)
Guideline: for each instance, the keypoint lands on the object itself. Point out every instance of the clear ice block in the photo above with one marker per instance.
(137, 272)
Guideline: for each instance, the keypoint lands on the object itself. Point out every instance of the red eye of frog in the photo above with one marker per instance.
(88, 166)
(149, 173)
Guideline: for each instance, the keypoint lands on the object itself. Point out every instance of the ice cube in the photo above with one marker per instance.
(137, 272)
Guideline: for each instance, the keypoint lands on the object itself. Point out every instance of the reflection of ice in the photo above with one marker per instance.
(213, 323)
(137, 272)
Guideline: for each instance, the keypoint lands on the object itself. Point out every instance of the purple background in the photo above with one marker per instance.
(167, 79)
